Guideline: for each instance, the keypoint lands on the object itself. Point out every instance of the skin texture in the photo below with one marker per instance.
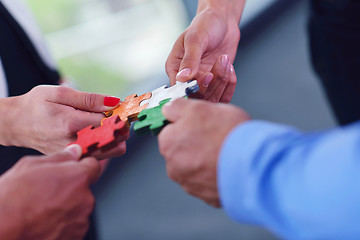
(48, 197)
(48, 117)
(214, 32)
(191, 157)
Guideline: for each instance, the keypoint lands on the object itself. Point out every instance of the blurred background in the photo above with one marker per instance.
(119, 47)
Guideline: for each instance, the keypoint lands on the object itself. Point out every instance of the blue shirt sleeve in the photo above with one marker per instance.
(298, 185)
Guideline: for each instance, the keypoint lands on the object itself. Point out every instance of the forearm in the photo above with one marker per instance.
(293, 183)
(229, 9)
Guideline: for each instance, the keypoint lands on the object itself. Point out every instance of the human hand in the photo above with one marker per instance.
(48, 197)
(191, 157)
(211, 36)
(48, 117)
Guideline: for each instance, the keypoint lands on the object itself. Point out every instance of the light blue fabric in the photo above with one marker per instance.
(298, 185)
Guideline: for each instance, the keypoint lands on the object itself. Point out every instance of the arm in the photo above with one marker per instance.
(301, 186)
(229, 9)
(47, 118)
(48, 197)
(213, 34)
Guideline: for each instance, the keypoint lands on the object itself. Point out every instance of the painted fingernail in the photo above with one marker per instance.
(225, 60)
(184, 73)
(74, 150)
(209, 77)
(111, 101)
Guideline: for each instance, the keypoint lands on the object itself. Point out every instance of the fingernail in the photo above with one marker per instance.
(111, 101)
(74, 149)
(232, 70)
(184, 73)
(225, 60)
(209, 77)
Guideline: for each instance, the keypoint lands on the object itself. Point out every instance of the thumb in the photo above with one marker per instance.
(173, 111)
(90, 102)
(70, 153)
(190, 64)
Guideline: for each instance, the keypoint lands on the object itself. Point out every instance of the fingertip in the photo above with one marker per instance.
(166, 109)
(207, 80)
(173, 109)
(75, 151)
(184, 74)
(232, 70)
(225, 61)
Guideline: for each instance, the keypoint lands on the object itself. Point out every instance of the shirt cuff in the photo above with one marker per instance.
(240, 168)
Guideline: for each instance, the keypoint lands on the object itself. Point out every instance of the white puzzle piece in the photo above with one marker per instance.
(179, 90)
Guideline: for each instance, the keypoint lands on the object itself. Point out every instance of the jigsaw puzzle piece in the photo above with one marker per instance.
(179, 90)
(129, 109)
(91, 139)
(151, 120)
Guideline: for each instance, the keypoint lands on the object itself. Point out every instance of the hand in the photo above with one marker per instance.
(191, 157)
(48, 117)
(48, 197)
(210, 36)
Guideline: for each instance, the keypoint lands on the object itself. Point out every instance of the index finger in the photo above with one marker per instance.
(92, 168)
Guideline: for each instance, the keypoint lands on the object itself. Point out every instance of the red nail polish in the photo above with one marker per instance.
(111, 101)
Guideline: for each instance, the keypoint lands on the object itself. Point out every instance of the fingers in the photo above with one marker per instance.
(92, 169)
(172, 111)
(230, 88)
(116, 150)
(195, 46)
(221, 71)
(70, 153)
(90, 102)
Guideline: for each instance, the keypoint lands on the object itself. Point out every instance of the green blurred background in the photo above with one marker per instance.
(111, 46)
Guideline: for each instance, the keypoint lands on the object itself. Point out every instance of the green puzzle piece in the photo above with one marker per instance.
(151, 120)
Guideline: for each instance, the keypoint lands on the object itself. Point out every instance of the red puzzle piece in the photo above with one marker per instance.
(91, 139)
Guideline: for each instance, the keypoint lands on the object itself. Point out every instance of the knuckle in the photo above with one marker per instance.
(61, 92)
(172, 173)
(90, 100)
(200, 108)
(190, 190)
(226, 99)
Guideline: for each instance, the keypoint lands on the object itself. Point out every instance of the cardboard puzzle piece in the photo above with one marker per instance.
(151, 120)
(129, 109)
(91, 139)
(179, 90)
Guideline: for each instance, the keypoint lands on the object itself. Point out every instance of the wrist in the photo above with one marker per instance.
(8, 115)
(230, 10)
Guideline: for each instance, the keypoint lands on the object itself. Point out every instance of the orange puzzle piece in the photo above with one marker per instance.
(112, 131)
(129, 109)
